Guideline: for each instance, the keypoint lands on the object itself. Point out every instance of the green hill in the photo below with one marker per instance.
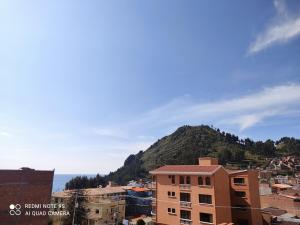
(188, 143)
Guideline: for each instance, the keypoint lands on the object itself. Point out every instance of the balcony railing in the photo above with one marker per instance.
(185, 187)
(185, 221)
(184, 204)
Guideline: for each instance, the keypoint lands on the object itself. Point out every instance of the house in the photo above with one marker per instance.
(138, 202)
(103, 205)
(288, 200)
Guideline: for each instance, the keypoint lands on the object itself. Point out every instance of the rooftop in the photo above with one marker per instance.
(93, 191)
(274, 211)
(186, 169)
(281, 186)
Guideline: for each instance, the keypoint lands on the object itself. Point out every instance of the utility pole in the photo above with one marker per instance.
(75, 206)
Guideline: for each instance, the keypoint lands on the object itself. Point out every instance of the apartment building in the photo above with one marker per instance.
(20, 187)
(104, 206)
(205, 194)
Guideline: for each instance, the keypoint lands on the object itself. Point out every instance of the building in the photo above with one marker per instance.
(270, 215)
(205, 194)
(138, 202)
(287, 199)
(20, 187)
(104, 206)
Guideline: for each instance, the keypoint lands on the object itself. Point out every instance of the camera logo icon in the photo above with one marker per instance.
(15, 209)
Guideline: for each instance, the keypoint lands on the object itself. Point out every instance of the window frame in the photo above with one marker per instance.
(205, 195)
(210, 216)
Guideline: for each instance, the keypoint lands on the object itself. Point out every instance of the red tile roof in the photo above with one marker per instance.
(194, 169)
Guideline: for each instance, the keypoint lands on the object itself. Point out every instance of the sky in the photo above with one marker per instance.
(83, 84)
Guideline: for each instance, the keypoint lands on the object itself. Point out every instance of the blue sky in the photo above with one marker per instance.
(83, 84)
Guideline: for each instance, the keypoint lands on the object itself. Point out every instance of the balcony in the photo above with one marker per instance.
(184, 204)
(186, 221)
(185, 187)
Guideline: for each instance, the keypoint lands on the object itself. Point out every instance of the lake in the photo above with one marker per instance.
(60, 180)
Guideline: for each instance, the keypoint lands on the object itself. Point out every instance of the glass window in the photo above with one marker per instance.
(185, 197)
(200, 180)
(205, 199)
(185, 214)
(207, 181)
(239, 180)
(169, 210)
(206, 217)
(173, 210)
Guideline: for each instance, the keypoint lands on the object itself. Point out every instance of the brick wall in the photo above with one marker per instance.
(22, 187)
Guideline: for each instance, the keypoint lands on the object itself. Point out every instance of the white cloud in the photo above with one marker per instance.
(5, 134)
(284, 28)
(245, 111)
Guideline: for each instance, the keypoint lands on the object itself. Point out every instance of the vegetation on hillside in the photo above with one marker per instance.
(188, 143)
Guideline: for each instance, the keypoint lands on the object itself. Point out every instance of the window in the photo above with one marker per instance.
(185, 197)
(185, 214)
(207, 181)
(239, 180)
(171, 194)
(241, 194)
(205, 199)
(206, 217)
(188, 180)
(181, 179)
(171, 210)
(97, 211)
(200, 180)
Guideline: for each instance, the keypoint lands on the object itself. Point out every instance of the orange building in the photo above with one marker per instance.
(205, 194)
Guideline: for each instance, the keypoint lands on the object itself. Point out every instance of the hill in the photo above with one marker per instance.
(188, 143)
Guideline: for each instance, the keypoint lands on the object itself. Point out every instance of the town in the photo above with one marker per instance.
(149, 112)
(207, 193)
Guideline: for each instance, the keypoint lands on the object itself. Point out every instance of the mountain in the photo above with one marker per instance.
(188, 143)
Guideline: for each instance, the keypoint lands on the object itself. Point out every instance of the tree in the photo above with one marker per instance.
(76, 208)
(140, 222)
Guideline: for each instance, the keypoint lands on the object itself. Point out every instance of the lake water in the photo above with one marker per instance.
(60, 180)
